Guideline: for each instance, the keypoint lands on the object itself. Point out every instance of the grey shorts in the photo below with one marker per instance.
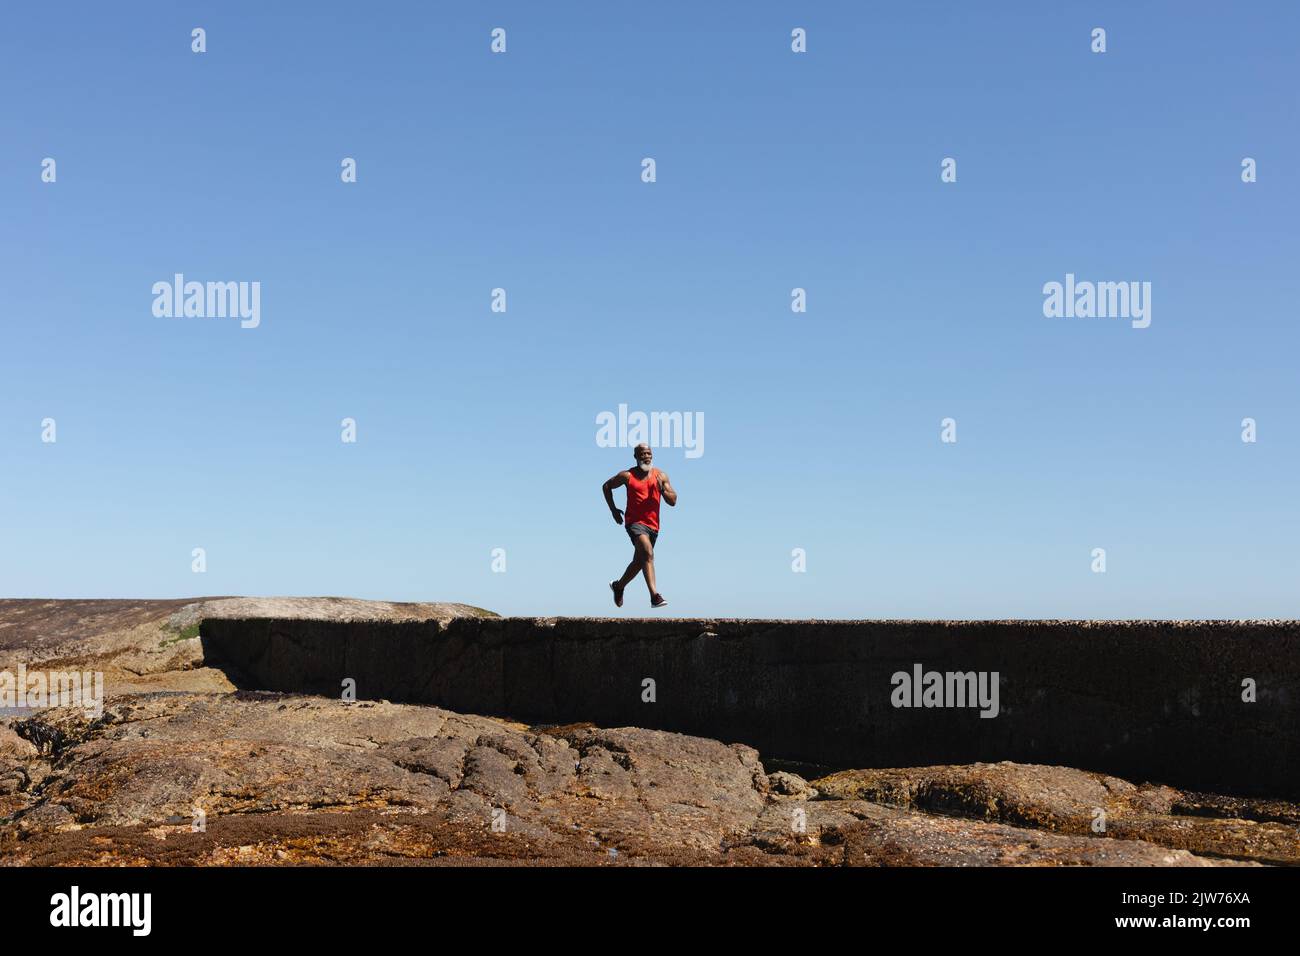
(635, 529)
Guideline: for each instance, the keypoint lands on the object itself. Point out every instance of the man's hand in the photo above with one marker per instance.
(608, 487)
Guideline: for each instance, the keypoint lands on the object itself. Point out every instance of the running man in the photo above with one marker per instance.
(645, 486)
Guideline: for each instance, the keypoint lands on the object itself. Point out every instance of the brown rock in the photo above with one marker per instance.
(1088, 804)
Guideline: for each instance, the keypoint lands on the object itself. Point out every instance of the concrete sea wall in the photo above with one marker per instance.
(1145, 700)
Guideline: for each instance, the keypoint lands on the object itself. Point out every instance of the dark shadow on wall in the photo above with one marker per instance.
(1144, 700)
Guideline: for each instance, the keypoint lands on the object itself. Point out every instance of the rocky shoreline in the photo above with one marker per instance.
(183, 768)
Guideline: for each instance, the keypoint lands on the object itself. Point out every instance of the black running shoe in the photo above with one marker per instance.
(658, 601)
(618, 593)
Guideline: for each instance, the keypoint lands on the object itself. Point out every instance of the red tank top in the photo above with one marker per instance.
(642, 499)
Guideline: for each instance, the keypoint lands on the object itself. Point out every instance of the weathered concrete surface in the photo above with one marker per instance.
(1140, 699)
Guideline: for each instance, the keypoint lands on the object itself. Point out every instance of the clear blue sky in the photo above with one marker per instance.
(476, 430)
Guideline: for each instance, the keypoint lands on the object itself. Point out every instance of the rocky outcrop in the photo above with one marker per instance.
(1062, 800)
(277, 778)
(145, 645)
(183, 768)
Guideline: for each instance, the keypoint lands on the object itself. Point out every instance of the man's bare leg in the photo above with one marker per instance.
(632, 571)
(644, 553)
(648, 569)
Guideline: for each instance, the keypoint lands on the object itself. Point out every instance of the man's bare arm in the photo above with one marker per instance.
(667, 490)
(618, 481)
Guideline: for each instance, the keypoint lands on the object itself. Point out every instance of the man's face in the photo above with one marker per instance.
(644, 456)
